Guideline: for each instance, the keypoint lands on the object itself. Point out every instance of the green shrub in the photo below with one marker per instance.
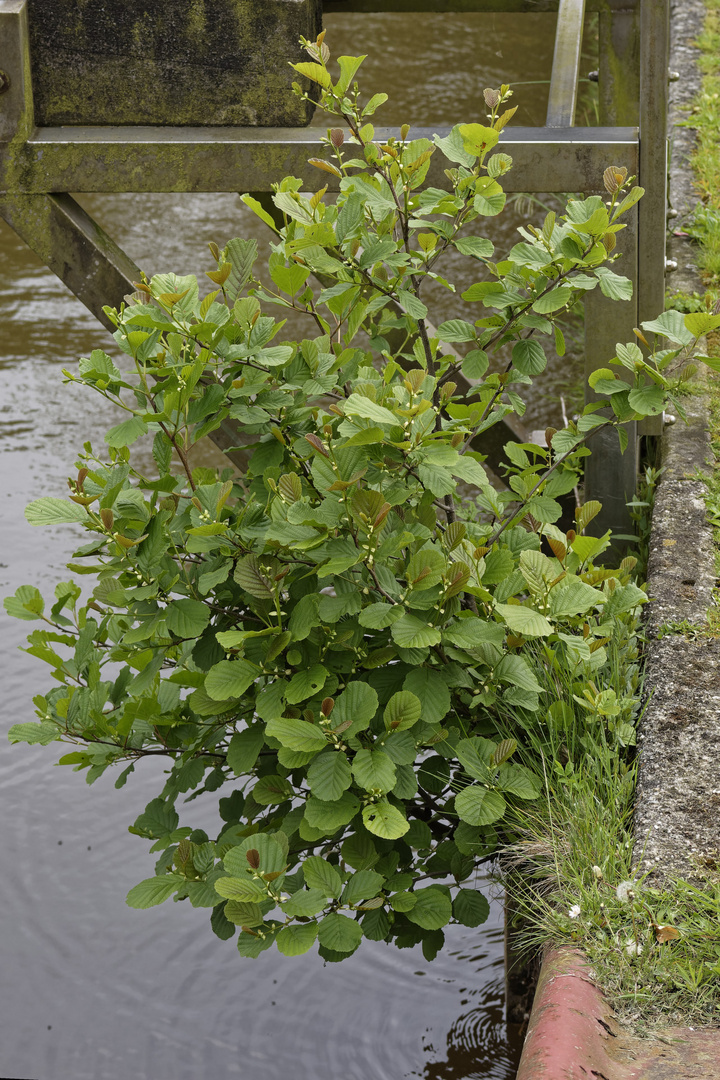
(330, 634)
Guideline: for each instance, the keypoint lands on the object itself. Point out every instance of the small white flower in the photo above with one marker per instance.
(632, 948)
(625, 891)
(574, 911)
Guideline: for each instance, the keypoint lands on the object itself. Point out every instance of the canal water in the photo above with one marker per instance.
(89, 988)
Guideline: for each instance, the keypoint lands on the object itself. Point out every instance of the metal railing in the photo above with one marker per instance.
(39, 166)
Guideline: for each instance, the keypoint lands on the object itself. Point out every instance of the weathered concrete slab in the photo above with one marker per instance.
(202, 62)
(677, 809)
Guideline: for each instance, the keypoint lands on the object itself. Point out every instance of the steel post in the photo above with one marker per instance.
(566, 64)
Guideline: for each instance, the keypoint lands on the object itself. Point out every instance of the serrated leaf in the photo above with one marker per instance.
(479, 806)
(187, 618)
(409, 632)
(329, 775)
(296, 940)
(357, 704)
(230, 679)
(253, 578)
(154, 891)
(357, 405)
(385, 820)
(528, 357)
(523, 620)
(265, 849)
(306, 684)
(272, 789)
(331, 816)
(374, 770)
(245, 889)
(471, 908)
(339, 933)
(321, 875)
(402, 711)
(431, 910)
(432, 691)
(364, 885)
(306, 903)
(51, 511)
(297, 734)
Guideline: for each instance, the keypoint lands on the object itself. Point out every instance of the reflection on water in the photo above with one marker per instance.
(91, 989)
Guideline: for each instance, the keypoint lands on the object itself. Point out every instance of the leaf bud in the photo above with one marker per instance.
(613, 178)
(107, 518)
(327, 706)
(337, 137)
(492, 98)
(82, 474)
(456, 439)
(404, 130)
(549, 433)
(253, 858)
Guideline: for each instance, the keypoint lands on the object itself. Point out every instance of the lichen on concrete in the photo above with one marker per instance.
(136, 62)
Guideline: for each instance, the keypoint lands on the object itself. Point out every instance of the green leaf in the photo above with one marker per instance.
(187, 618)
(254, 579)
(315, 72)
(321, 875)
(363, 885)
(359, 851)
(40, 734)
(647, 400)
(410, 303)
(331, 816)
(127, 432)
(432, 908)
(553, 300)
(374, 770)
(154, 891)
(297, 734)
(245, 889)
(478, 806)
(306, 684)
(357, 405)
(517, 780)
(476, 246)
(380, 615)
(357, 705)
(241, 254)
(272, 855)
(230, 679)
(410, 632)
(348, 68)
(158, 819)
(244, 748)
(296, 940)
(50, 511)
(613, 285)
(701, 322)
(523, 620)
(306, 903)
(271, 790)
(250, 945)
(457, 330)
(402, 711)
(329, 775)
(477, 140)
(432, 691)
(385, 820)
(339, 933)
(258, 210)
(471, 908)
(528, 357)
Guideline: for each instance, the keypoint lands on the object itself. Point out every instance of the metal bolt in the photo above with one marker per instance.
(4, 82)
(672, 213)
(670, 265)
(673, 76)
(594, 76)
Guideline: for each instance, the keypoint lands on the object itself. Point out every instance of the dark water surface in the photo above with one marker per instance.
(89, 988)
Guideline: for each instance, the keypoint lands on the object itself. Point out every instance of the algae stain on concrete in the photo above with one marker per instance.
(159, 62)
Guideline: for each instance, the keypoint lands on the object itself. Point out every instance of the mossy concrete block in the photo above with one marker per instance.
(201, 62)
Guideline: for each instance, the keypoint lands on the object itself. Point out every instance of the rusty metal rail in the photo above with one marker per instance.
(39, 166)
